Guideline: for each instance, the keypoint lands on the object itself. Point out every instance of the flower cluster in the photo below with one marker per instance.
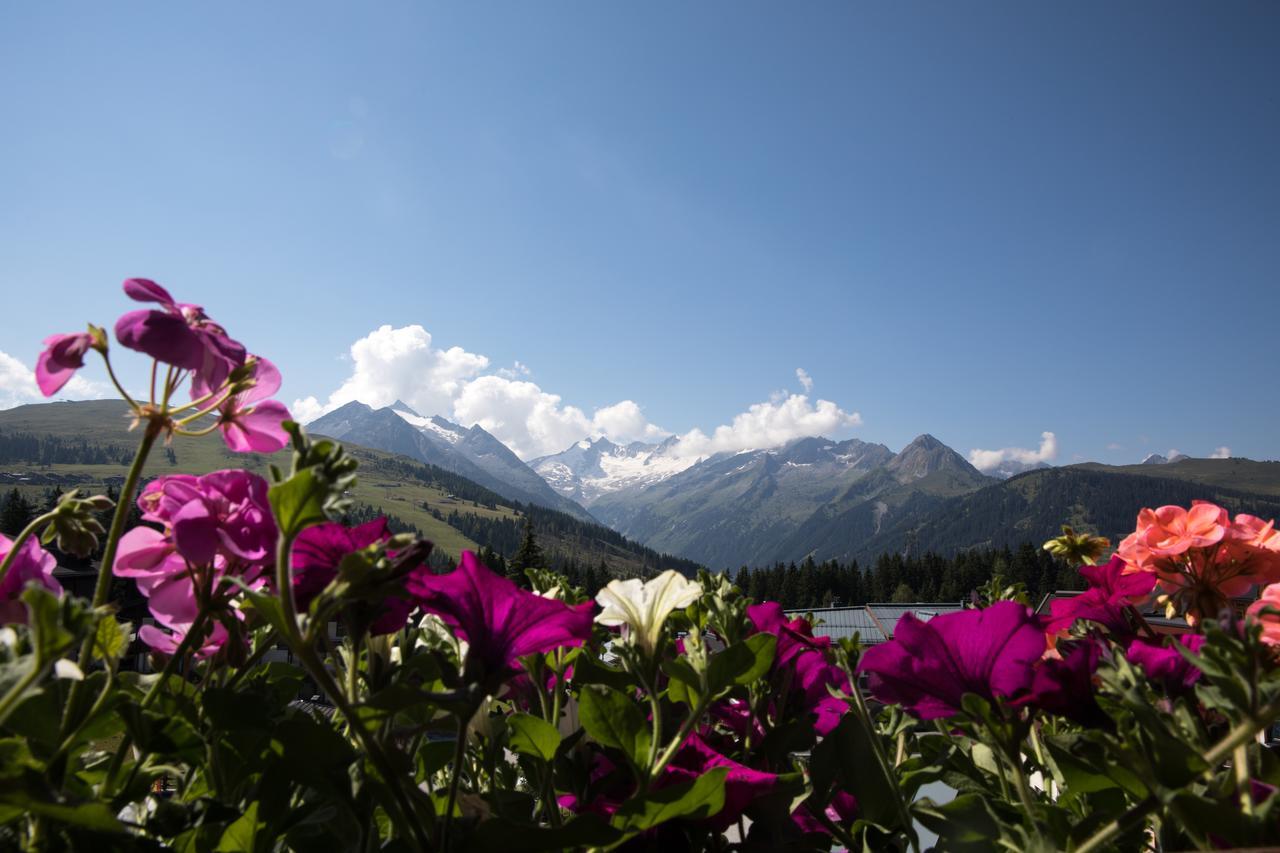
(212, 529)
(227, 384)
(1201, 557)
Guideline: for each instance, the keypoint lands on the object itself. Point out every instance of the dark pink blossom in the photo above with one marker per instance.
(214, 526)
(179, 334)
(319, 550)
(1111, 592)
(609, 787)
(500, 621)
(32, 564)
(929, 666)
(1064, 685)
(250, 421)
(803, 666)
(1164, 664)
(841, 811)
(63, 355)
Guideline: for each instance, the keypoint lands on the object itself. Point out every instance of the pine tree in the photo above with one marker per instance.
(16, 513)
(528, 557)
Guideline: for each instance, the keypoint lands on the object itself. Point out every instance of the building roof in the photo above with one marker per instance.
(873, 623)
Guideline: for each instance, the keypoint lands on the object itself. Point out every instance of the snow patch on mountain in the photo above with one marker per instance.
(591, 468)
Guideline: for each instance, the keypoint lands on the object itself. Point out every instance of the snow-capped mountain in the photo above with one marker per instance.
(1160, 459)
(1012, 468)
(472, 453)
(590, 468)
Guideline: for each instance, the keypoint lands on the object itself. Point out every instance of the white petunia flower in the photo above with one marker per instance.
(643, 606)
(67, 669)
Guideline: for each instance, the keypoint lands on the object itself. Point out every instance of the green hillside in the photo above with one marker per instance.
(89, 444)
(1245, 475)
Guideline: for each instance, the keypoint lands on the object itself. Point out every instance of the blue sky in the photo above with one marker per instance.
(980, 221)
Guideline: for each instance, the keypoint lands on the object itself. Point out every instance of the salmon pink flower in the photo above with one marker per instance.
(642, 607)
(317, 553)
(250, 422)
(62, 357)
(928, 667)
(1266, 612)
(32, 564)
(179, 334)
(1200, 557)
(500, 621)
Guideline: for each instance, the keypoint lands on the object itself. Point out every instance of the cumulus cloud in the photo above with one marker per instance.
(1222, 452)
(770, 424)
(990, 460)
(18, 385)
(403, 363)
(806, 381)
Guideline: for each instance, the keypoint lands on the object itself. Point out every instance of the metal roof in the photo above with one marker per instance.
(873, 623)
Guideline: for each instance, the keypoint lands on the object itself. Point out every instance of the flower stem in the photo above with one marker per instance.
(459, 754)
(877, 747)
(1242, 733)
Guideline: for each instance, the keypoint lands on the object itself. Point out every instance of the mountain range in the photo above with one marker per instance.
(472, 453)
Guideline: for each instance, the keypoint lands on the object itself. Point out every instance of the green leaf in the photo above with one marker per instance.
(298, 502)
(533, 736)
(846, 759)
(696, 800)
(110, 638)
(93, 816)
(683, 684)
(742, 663)
(588, 669)
(242, 834)
(964, 822)
(615, 719)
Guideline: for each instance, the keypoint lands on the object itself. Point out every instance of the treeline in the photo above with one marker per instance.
(31, 449)
(898, 578)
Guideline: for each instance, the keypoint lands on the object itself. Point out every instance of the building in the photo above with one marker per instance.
(871, 623)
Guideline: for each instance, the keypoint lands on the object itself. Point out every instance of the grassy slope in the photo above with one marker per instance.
(381, 484)
(1245, 475)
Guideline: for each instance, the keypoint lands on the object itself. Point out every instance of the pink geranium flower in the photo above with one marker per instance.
(319, 550)
(32, 564)
(179, 334)
(214, 527)
(500, 621)
(250, 422)
(928, 667)
(62, 357)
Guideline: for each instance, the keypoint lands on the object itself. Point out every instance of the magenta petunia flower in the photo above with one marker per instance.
(929, 666)
(802, 663)
(500, 621)
(610, 787)
(1110, 592)
(841, 811)
(1164, 664)
(316, 554)
(179, 334)
(252, 423)
(33, 564)
(214, 526)
(62, 357)
(1064, 685)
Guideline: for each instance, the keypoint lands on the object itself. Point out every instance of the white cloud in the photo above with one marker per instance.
(1222, 452)
(401, 363)
(1115, 445)
(18, 385)
(989, 460)
(770, 424)
(806, 381)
